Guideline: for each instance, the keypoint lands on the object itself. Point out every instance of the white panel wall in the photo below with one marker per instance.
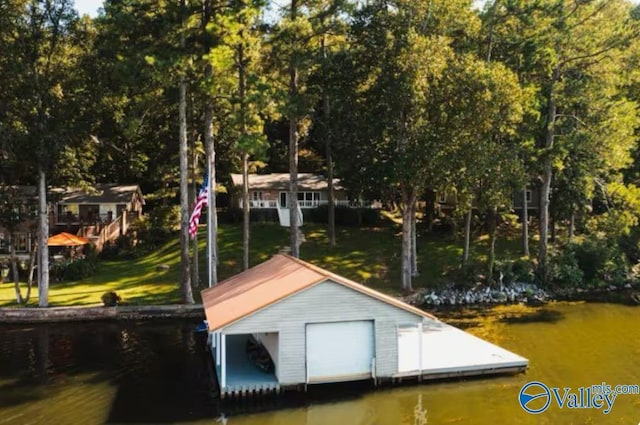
(327, 301)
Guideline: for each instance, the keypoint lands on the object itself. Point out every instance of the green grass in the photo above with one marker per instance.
(367, 255)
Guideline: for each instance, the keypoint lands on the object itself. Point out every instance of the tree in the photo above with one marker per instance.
(395, 110)
(44, 61)
(551, 43)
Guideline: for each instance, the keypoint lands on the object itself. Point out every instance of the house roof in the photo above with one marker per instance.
(306, 181)
(272, 281)
(104, 193)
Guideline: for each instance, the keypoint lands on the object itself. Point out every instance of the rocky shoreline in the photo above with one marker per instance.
(519, 293)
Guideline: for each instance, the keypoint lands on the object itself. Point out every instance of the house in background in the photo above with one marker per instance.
(271, 192)
(103, 204)
(25, 233)
(446, 201)
(101, 215)
(286, 323)
(533, 201)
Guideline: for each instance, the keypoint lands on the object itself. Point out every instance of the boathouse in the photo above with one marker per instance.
(287, 323)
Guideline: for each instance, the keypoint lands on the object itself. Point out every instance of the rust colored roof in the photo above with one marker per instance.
(272, 281)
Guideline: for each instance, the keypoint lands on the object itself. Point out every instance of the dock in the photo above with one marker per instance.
(439, 351)
(307, 326)
(444, 351)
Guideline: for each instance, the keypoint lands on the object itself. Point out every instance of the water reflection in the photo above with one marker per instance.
(140, 373)
(117, 373)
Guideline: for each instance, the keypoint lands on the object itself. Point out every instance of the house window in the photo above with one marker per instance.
(21, 241)
(442, 197)
(309, 198)
(528, 194)
(256, 196)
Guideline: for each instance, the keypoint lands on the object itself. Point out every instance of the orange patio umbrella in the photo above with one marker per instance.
(66, 239)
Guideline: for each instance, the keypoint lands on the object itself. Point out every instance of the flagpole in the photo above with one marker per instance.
(210, 213)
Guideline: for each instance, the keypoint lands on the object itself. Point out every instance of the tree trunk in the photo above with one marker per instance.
(43, 235)
(32, 264)
(525, 223)
(430, 212)
(327, 134)
(245, 157)
(414, 242)
(467, 238)
(493, 216)
(186, 291)
(14, 270)
(293, 149)
(572, 225)
(245, 211)
(407, 200)
(547, 174)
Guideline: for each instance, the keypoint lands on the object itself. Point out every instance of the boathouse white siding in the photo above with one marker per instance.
(325, 302)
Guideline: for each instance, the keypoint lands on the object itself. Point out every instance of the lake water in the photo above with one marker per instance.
(159, 373)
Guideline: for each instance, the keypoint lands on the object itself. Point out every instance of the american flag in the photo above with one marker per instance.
(201, 201)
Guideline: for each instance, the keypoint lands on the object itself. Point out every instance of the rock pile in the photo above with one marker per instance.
(450, 295)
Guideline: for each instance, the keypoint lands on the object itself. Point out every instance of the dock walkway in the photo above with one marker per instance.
(442, 350)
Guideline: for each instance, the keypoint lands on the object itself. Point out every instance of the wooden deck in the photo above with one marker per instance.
(243, 378)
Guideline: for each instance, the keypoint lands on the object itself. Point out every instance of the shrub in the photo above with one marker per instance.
(344, 216)
(110, 299)
(518, 270)
(564, 269)
(592, 262)
(76, 268)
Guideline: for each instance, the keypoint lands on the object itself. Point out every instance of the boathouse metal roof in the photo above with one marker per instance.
(272, 281)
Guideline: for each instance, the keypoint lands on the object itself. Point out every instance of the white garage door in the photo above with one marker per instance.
(340, 351)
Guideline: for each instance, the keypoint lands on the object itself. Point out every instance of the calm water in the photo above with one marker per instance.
(140, 373)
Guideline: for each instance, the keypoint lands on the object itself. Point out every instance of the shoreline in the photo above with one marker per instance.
(34, 315)
(25, 315)
(518, 293)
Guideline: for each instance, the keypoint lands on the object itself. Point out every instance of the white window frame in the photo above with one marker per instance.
(529, 196)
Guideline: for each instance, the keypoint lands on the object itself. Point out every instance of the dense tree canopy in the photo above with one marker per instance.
(400, 97)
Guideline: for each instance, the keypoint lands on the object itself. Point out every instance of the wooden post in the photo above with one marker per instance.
(218, 348)
(420, 351)
(223, 366)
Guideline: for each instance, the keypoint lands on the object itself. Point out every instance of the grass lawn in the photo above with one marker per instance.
(367, 255)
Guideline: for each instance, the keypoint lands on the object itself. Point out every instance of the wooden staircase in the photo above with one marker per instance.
(102, 233)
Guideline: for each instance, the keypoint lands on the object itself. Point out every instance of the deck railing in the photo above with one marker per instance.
(76, 219)
(272, 204)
